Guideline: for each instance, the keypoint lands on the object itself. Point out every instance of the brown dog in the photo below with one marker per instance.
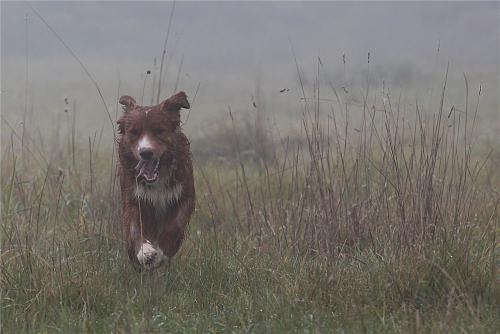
(156, 176)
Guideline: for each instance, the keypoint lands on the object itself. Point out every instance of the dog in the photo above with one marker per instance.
(156, 179)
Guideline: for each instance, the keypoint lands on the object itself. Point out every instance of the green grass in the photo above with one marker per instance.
(225, 286)
(73, 275)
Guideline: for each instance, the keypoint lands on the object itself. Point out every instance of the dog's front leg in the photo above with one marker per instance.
(172, 236)
(140, 233)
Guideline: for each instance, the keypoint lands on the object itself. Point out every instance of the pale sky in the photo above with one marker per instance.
(230, 48)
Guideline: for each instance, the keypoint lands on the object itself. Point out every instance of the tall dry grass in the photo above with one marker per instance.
(387, 222)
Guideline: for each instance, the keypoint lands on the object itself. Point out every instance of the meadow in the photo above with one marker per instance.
(383, 223)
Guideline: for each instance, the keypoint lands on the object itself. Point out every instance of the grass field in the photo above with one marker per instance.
(381, 224)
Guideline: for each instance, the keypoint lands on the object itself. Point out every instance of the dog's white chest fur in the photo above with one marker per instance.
(159, 195)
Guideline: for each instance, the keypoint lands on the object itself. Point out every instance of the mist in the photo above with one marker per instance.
(222, 53)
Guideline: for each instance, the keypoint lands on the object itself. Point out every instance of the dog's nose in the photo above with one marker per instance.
(146, 154)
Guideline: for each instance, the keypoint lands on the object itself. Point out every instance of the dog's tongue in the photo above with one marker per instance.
(147, 170)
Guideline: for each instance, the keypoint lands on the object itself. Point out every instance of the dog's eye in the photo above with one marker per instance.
(158, 131)
(134, 132)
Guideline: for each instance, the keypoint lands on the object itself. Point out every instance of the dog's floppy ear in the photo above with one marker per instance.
(121, 126)
(175, 102)
(127, 102)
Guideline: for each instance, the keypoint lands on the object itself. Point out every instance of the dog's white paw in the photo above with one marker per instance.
(150, 257)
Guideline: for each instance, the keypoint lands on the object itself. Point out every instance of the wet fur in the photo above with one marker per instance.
(159, 213)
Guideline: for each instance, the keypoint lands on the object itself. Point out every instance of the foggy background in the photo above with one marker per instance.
(240, 52)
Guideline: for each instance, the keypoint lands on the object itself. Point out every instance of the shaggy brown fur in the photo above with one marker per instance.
(156, 176)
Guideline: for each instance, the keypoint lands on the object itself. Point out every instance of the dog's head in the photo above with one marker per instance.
(148, 133)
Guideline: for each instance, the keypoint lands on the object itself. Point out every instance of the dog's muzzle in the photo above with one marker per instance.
(147, 170)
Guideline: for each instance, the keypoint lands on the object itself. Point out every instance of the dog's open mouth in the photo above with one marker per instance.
(148, 170)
